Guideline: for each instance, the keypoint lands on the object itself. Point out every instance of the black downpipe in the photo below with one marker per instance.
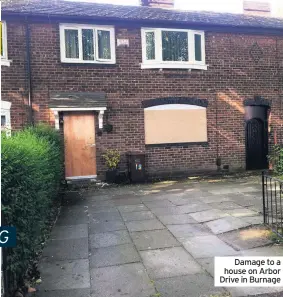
(29, 75)
(263, 196)
(218, 158)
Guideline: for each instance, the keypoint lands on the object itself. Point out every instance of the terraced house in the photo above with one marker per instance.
(195, 91)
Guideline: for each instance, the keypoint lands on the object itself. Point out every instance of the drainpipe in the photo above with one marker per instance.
(218, 158)
(280, 78)
(28, 72)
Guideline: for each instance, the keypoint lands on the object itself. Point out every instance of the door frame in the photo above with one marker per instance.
(99, 110)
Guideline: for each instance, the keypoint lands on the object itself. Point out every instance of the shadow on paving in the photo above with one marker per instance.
(154, 240)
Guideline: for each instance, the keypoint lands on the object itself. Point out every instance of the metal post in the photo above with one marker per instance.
(276, 206)
(281, 210)
(263, 197)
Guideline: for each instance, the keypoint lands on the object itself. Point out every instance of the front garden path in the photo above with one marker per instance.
(154, 239)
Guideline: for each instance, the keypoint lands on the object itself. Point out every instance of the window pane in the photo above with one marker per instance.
(72, 43)
(174, 46)
(1, 35)
(3, 120)
(88, 49)
(104, 51)
(150, 45)
(198, 47)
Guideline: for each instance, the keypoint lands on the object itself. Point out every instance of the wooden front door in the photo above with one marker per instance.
(80, 151)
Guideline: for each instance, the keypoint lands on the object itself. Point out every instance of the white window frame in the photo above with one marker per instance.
(158, 63)
(4, 57)
(5, 111)
(79, 27)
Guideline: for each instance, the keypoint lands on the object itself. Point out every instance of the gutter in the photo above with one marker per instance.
(29, 75)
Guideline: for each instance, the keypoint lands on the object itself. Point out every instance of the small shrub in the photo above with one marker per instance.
(112, 158)
(277, 160)
(31, 175)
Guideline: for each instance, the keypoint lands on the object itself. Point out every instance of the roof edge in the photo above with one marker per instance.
(37, 17)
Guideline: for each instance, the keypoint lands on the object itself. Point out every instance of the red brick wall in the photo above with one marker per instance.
(232, 77)
(13, 79)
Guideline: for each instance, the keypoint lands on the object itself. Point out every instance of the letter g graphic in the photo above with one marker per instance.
(6, 238)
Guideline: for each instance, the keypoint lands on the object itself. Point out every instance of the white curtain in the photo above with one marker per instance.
(104, 51)
(71, 44)
(150, 46)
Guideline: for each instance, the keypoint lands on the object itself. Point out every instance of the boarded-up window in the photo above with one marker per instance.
(175, 123)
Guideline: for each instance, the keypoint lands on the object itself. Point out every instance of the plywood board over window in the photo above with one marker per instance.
(175, 123)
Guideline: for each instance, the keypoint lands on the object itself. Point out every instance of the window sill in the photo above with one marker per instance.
(178, 144)
(102, 65)
(5, 62)
(88, 62)
(172, 66)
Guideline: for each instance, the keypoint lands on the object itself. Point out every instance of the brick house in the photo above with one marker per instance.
(192, 90)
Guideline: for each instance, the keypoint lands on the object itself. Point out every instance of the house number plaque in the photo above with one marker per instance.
(123, 42)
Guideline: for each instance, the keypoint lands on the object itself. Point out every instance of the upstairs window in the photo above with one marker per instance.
(4, 51)
(173, 48)
(87, 44)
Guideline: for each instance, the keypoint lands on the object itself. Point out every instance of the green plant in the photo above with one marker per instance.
(276, 238)
(276, 159)
(31, 175)
(112, 158)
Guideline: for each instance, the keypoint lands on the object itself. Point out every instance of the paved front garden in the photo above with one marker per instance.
(154, 239)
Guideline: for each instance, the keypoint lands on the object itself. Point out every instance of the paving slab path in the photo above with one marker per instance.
(154, 240)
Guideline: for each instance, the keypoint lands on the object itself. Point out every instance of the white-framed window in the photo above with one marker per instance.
(173, 48)
(4, 48)
(87, 44)
(6, 117)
